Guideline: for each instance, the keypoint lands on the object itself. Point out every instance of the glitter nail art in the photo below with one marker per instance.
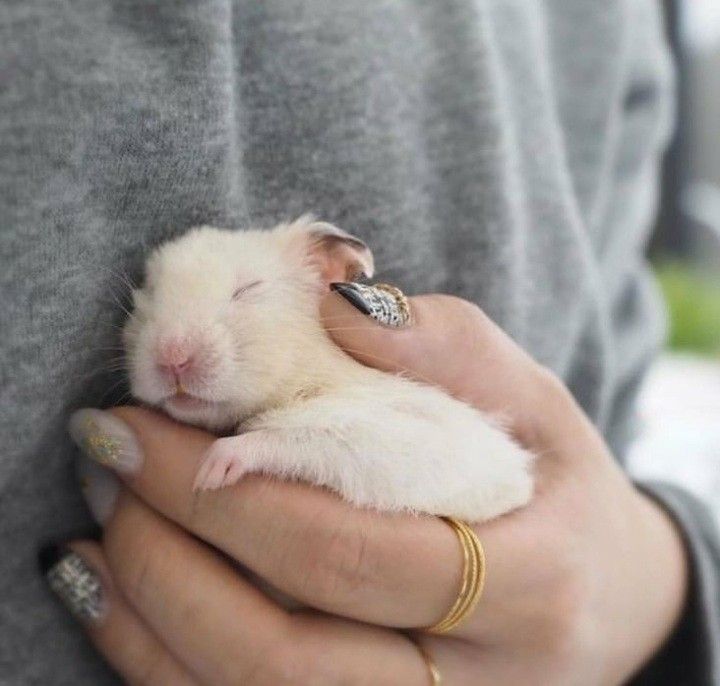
(104, 448)
(78, 586)
(106, 439)
(386, 304)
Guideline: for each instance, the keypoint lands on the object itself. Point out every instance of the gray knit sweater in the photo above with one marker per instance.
(503, 150)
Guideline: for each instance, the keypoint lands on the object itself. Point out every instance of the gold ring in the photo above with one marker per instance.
(473, 577)
(436, 679)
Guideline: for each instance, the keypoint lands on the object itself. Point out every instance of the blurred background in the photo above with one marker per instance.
(680, 403)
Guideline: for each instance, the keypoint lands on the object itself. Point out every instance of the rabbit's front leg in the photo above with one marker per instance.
(304, 454)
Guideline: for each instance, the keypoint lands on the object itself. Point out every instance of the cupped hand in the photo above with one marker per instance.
(583, 585)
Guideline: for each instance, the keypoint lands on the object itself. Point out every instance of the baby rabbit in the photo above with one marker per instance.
(225, 334)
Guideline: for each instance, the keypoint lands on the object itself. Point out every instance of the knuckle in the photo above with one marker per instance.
(549, 394)
(472, 311)
(142, 569)
(130, 551)
(337, 565)
(464, 318)
(470, 320)
(212, 516)
(138, 576)
(200, 514)
(550, 387)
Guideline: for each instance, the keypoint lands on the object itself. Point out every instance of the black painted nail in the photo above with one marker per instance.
(384, 303)
(76, 583)
(352, 295)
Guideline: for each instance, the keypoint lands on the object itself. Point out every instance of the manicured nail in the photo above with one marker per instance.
(74, 582)
(99, 486)
(386, 304)
(106, 439)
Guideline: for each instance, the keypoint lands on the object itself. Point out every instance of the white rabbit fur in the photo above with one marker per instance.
(299, 406)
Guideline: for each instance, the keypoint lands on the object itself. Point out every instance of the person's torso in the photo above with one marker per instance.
(489, 149)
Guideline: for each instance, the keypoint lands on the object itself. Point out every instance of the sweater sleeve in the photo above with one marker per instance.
(691, 656)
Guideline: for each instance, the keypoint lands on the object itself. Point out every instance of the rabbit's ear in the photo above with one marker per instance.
(335, 254)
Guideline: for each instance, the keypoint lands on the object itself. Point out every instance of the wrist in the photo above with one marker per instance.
(666, 575)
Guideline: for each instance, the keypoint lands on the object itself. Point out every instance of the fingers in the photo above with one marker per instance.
(120, 635)
(184, 591)
(400, 571)
(453, 344)
(224, 630)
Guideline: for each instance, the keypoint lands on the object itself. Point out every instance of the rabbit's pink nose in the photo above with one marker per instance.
(175, 357)
(176, 368)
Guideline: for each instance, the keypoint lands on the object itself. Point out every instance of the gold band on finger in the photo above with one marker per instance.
(436, 679)
(473, 577)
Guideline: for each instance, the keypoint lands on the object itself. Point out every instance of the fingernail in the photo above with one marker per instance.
(99, 486)
(76, 583)
(386, 304)
(106, 439)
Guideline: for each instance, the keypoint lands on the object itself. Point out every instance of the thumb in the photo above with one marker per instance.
(450, 343)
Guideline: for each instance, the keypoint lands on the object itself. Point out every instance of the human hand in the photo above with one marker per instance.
(582, 586)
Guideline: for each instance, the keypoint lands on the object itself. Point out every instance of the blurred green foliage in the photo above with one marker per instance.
(693, 298)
